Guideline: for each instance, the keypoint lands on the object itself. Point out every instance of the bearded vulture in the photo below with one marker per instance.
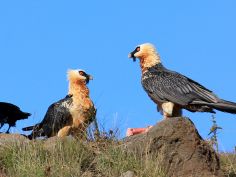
(172, 91)
(70, 115)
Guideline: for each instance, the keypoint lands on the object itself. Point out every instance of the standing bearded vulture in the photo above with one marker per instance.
(70, 115)
(172, 91)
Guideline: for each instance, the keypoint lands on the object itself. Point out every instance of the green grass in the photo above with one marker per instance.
(69, 158)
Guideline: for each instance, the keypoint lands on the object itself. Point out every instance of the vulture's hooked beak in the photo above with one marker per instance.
(88, 78)
(131, 55)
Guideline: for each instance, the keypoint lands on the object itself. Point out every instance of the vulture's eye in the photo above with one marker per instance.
(81, 73)
(137, 49)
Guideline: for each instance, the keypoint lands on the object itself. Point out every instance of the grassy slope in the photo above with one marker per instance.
(69, 158)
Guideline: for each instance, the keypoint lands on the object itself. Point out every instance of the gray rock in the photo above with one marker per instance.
(128, 174)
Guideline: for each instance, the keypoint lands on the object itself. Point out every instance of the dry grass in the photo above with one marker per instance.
(101, 156)
(69, 157)
(34, 159)
(228, 163)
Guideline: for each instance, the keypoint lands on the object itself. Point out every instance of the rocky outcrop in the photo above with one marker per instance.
(184, 152)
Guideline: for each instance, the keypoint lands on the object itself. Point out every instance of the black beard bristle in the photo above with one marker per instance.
(134, 59)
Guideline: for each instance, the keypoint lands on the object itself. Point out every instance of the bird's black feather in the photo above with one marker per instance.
(163, 85)
(57, 116)
(172, 86)
(10, 113)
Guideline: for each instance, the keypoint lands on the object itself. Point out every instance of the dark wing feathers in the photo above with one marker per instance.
(165, 85)
(57, 116)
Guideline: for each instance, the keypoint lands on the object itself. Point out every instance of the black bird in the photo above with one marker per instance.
(172, 91)
(10, 113)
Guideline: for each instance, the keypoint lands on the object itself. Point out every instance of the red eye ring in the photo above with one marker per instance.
(138, 49)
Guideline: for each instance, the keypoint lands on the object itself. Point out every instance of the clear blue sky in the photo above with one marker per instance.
(40, 40)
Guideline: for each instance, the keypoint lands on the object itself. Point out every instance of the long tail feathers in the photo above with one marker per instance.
(225, 106)
(37, 131)
(28, 128)
(30, 137)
